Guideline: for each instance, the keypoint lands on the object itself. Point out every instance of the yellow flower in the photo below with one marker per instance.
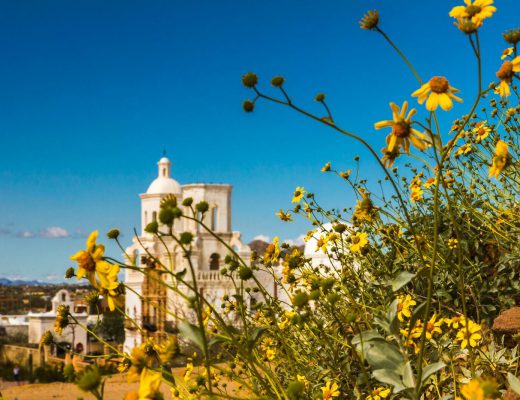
(91, 260)
(284, 216)
(358, 241)
(302, 379)
(187, 373)
(430, 182)
(507, 52)
(272, 252)
(402, 131)
(365, 209)
(500, 160)
(322, 242)
(469, 333)
(481, 131)
(389, 156)
(475, 11)
(298, 194)
(149, 385)
(309, 235)
(326, 167)
(403, 306)
(370, 20)
(506, 74)
(480, 389)
(416, 193)
(453, 243)
(441, 94)
(379, 393)
(464, 149)
(330, 390)
(433, 326)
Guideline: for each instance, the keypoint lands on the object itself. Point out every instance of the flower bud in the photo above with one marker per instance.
(113, 234)
(512, 36)
(300, 299)
(90, 379)
(70, 273)
(248, 106)
(320, 97)
(166, 216)
(245, 273)
(250, 80)
(202, 207)
(47, 338)
(186, 238)
(295, 389)
(169, 201)
(152, 227)
(277, 81)
(188, 201)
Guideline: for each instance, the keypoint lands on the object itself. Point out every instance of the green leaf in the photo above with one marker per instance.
(514, 382)
(167, 375)
(389, 377)
(401, 280)
(366, 336)
(431, 369)
(381, 354)
(193, 333)
(408, 378)
(181, 274)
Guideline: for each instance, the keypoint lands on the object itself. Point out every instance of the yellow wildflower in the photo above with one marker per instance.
(358, 241)
(433, 326)
(480, 389)
(298, 194)
(430, 182)
(188, 372)
(481, 131)
(365, 209)
(464, 149)
(149, 385)
(309, 235)
(302, 379)
(506, 74)
(91, 260)
(453, 243)
(322, 242)
(330, 390)
(475, 11)
(379, 393)
(469, 333)
(272, 252)
(507, 52)
(370, 20)
(326, 167)
(500, 160)
(441, 94)
(389, 156)
(284, 216)
(416, 193)
(402, 132)
(403, 306)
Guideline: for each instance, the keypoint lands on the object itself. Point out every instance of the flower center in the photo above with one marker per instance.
(401, 129)
(356, 240)
(430, 327)
(505, 73)
(399, 307)
(90, 264)
(439, 84)
(473, 10)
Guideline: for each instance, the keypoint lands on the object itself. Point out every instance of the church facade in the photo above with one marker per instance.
(154, 308)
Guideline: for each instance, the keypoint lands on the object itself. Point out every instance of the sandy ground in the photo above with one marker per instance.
(115, 389)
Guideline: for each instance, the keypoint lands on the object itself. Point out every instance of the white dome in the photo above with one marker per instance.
(164, 185)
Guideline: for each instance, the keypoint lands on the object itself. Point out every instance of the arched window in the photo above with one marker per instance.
(214, 218)
(63, 297)
(214, 262)
(164, 172)
(145, 218)
(154, 216)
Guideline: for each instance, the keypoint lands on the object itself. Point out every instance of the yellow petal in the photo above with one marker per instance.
(391, 142)
(445, 102)
(383, 124)
(432, 102)
(81, 273)
(80, 254)
(91, 241)
(422, 90)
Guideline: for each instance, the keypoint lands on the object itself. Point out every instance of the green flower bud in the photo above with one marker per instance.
(113, 234)
(327, 284)
(169, 201)
(315, 294)
(277, 81)
(202, 207)
(92, 298)
(186, 238)
(295, 389)
(69, 273)
(188, 201)
(300, 299)
(245, 273)
(320, 97)
(166, 216)
(340, 228)
(152, 227)
(47, 339)
(250, 80)
(90, 379)
(248, 106)
(333, 297)
(177, 212)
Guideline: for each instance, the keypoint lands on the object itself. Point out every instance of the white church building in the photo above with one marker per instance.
(148, 303)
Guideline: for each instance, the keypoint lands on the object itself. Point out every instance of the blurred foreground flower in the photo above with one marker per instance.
(437, 91)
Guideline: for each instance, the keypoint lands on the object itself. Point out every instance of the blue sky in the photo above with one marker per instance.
(91, 92)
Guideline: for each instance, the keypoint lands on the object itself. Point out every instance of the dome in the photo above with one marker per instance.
(164, 184)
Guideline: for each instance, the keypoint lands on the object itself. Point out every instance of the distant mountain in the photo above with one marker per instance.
(18, 282)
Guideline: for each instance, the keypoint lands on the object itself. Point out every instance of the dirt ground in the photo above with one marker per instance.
(115, 389)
